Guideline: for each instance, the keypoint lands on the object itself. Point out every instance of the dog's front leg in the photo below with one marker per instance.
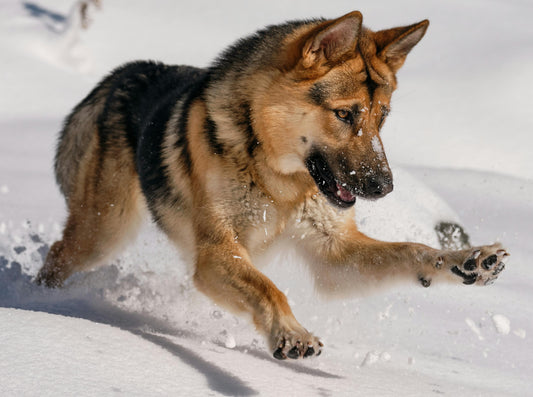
(225, 273)
(345, 265)
(346, 260)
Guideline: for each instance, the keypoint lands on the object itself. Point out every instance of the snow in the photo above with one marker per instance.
(502, 324)
(459, 142)
(377, 147)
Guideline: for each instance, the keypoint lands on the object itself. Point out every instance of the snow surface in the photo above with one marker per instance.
(459, 142)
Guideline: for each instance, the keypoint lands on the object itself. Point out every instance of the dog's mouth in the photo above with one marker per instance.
(337, 192)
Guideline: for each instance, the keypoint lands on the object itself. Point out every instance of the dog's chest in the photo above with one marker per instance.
(256, 218)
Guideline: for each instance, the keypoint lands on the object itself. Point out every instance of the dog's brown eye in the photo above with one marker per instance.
(344, 115)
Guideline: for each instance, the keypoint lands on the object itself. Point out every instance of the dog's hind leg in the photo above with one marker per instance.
(105, 210)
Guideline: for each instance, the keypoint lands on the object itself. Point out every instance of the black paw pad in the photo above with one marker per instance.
(309, 352)
(467, 278)
(294, 353)
(489, 262)
(425, 283)
(455, 270)
(470, 279)
(470, 264)
(279, 354)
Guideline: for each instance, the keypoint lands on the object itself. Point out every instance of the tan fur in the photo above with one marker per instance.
(105, 210)
(228, 223)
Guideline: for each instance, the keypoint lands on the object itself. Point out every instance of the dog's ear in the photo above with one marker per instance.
(394, 44)
(331, 41)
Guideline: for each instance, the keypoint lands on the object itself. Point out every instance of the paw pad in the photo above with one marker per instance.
(468, 279)
(470, 264)
(425, 282)
(489, 262)
(482, 266)
(297, 350)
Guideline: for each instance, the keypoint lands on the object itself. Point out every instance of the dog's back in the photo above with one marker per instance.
(125, 109)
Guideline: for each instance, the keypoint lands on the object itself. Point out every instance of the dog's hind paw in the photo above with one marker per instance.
(296, 345)
(481, 265)
(50, 278)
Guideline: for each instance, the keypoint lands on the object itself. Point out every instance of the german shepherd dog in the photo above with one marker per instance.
(279, 135)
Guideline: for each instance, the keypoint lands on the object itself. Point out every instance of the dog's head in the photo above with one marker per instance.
(325, 112)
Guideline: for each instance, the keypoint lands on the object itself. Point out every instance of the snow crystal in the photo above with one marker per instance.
(230, 342)
(370, 359)
(377, 147)
(385, 314)
(373, 357)
(385, 356)
(502, 324)
(475, 329)
(520, 332)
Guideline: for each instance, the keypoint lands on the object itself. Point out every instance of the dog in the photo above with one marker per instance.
(279, 136)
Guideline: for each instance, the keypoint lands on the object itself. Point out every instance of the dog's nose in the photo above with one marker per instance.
(378, 186)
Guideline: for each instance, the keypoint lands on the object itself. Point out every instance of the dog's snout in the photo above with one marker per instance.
(377, 187)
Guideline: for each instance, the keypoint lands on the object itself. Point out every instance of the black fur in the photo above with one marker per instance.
(196, 90)
(210, 129)
(184, 83)
(140, 102)
(246, 123)
(318, 94)
(256, 49)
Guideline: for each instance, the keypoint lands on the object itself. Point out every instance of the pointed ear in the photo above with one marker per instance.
(332, 40)
(393, 45)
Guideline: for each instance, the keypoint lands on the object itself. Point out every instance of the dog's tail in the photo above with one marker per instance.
(75, 138)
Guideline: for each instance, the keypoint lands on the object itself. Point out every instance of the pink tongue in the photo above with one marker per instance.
(344, 194)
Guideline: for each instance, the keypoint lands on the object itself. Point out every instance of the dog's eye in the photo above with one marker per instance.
(344, 115)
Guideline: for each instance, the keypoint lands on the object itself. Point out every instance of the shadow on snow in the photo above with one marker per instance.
(85, 300)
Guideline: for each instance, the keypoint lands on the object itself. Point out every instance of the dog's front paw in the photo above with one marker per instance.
(480, 265)
(297, 344)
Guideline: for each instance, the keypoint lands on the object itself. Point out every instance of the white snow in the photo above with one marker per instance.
(475, 329)
(521, 333)
(502, 324)
(377, 147)
(459, 142)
